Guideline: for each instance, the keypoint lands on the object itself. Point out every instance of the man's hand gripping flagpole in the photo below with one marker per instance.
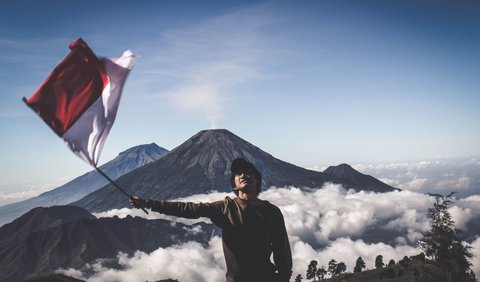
(80, 98)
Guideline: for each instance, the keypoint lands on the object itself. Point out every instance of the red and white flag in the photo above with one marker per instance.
(80, 98)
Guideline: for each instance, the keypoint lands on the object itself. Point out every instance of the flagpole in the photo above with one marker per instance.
(116, 185)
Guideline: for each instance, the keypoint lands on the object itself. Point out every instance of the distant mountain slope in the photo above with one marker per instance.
(356, 179)
(81, 186)
(45, 239)
(202, 164)
(40, 219)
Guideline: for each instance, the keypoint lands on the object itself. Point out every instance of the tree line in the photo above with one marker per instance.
(450, 260)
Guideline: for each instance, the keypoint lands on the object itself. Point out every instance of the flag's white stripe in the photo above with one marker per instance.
(88, 134)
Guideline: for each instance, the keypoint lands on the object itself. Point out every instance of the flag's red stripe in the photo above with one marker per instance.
(73, 86)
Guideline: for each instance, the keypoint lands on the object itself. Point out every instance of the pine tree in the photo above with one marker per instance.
(341, 267)
(335, 268)
(298, 278)
(442, 244)
(379, 262)
(360, 264)
(321, 272)
(312, 269)
(332, 266)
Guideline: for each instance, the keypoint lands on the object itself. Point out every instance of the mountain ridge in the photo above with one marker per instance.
(202, 164)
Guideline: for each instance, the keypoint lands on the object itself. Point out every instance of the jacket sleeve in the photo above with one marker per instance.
(282, 255)
(187, 209)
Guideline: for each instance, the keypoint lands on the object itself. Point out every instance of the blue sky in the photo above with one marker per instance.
(311, 82)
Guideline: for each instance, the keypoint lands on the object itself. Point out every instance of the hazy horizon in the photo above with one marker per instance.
(437, 176)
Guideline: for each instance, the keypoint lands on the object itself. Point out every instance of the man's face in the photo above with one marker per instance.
(246, 181)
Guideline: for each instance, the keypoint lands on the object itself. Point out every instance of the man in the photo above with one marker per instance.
(252, 229)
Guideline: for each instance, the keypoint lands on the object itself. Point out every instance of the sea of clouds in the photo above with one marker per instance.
(323, 224)
(440, 175)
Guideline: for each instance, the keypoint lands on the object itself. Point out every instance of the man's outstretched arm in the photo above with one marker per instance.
(180, 209)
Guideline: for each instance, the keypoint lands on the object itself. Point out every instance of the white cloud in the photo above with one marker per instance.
(16, 193)
(193, 262)
(206, 91)
(443, 175)
(453, 184)
(464, 210)
(409, 219)
(208, 59)
(187, 262)
(476, 260)
(415, 184)
(321, 215)
(461, 216)
(320, 223)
